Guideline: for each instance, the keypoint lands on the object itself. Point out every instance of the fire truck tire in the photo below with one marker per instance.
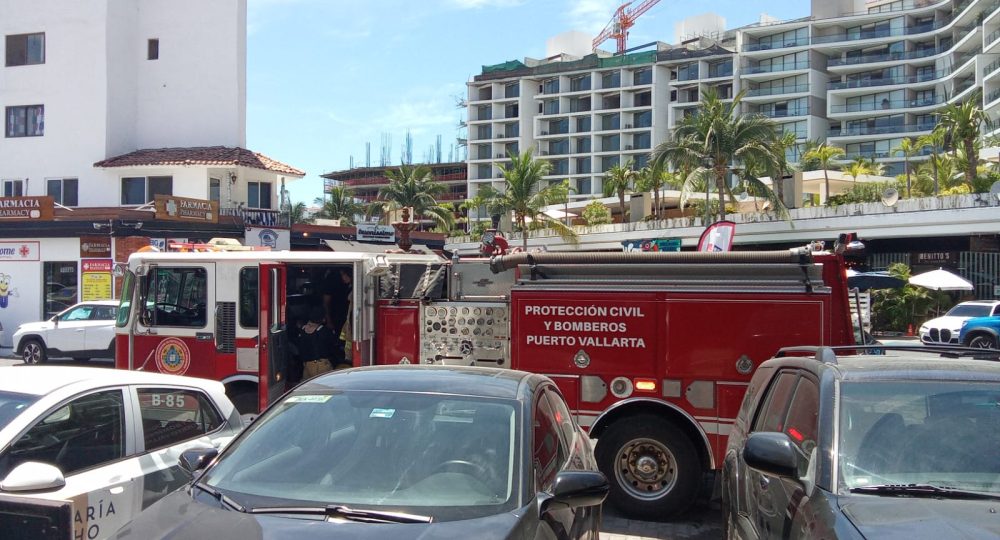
(652, 466)
(245, 401)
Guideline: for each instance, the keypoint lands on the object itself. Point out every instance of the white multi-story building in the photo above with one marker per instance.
(106, 104)
(859, 74)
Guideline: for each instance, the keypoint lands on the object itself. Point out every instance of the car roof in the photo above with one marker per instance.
(916, 367)
(979, 303)
(97, 303)
(468, 381)
(43, 380)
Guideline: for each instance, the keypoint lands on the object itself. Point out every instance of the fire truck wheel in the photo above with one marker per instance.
(245, 401)
(653, 468)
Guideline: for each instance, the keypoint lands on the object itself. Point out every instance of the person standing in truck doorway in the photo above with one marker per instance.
(337, 292)
(315, 343)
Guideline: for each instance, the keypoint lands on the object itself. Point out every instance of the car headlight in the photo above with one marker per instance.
(923, 328)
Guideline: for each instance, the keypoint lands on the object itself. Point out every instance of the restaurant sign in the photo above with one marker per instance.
(173, 208)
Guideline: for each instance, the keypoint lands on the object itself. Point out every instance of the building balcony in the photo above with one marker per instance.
(882, 57)
(777, 90)
(887, 105)
(785, 113)
(801, 42)
(887, 81)
(879, 130)
(789, 66)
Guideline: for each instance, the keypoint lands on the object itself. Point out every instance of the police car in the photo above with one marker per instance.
(86, 449)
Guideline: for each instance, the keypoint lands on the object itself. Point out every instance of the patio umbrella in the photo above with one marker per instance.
(864, 281)
(941, 280)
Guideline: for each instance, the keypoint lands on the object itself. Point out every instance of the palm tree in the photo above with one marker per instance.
(857, 167)
(718, 137)
(297, 214)
(414, 186)
(524, 196)
(824, 155)
(654, 178)
(962, 123)
(340, 203)
(908, 148)
(618, 181)
(935, 140)
(479, 202)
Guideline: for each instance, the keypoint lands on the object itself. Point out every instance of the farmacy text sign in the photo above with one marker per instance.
(184, 209)
(26, 208)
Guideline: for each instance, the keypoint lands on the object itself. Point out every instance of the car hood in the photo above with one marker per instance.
(35, 326)
(905, 518)
(180, 517)
(950, 323)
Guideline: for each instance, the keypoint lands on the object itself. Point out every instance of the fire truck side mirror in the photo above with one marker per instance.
(142, 270)
(379, 266)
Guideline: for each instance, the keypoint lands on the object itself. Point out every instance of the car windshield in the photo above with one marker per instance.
(920, 432)
(12, 404)
(450, 457)
(969, 310)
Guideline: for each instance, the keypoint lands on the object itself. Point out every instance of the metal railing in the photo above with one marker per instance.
(878, 130)
(775, 90)
(784, 44)
(786, 66)
(884, 57)
(254, 216)
(887, 105)
(794, 111)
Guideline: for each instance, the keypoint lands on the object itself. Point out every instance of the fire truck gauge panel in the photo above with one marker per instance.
(465, 334)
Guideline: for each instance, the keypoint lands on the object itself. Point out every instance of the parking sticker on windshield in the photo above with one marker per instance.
(382, 413)
(308, 399)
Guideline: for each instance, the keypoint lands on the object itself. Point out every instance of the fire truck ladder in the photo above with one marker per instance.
(791, 271)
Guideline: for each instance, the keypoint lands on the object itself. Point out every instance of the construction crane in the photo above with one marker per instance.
(621, 21)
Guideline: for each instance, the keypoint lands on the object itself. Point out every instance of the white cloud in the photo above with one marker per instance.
(590, 15)
(476, 4)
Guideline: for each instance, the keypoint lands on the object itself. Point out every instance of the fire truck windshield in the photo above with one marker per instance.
(175, 297)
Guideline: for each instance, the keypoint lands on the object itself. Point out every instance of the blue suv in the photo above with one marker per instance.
(980, 332)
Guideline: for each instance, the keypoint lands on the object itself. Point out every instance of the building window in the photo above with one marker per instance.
(214, 189)
(64, 191)
(25, 49)
(26, 121)
(13, 188)
(153, 49)
(60, 286)
(259, 195)
(142, 189)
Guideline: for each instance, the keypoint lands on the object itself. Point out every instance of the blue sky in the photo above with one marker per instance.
(326, 76)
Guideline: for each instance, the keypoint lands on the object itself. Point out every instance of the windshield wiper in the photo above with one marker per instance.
(219, 496)
(353, 514)
(925, 490)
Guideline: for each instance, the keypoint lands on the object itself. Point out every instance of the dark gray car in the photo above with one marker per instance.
(396, 452)
(898, 446)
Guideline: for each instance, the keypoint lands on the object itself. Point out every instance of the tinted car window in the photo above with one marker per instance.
(969, 310)
(548, 450)
(172, 416)
(772, 415)
(802, 423)
(84, 433)
(103, 313)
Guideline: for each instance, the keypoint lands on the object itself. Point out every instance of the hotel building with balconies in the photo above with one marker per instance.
(858, 74)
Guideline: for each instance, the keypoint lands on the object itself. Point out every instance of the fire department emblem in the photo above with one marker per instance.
(172, 356)
(581, 359)
(744, 365)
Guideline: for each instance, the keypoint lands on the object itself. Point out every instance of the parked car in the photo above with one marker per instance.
(85, 330)
(95, 446)
(835, 446)
(440, 452)
(944, 330)
(981, 332)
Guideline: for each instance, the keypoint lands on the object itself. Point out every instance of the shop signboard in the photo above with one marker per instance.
(652, 244)
(96, 282)
(368, 232)
(27, 208)
(95, 247)
(19, 251)
(173, 208)
(276, 239)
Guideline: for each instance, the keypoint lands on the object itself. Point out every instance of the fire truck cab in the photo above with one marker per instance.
(652, 351)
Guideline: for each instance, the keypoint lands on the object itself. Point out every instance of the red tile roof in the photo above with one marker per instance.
(204, 155)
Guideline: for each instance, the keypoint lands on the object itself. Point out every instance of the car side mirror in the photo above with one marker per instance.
(574, 489)
(33, 476)
(772, 453)
(196, 459)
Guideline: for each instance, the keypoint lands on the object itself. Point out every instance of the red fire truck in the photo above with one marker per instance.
(653, 351)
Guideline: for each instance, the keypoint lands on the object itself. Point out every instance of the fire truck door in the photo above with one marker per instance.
(274, 333)
(363, 313)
